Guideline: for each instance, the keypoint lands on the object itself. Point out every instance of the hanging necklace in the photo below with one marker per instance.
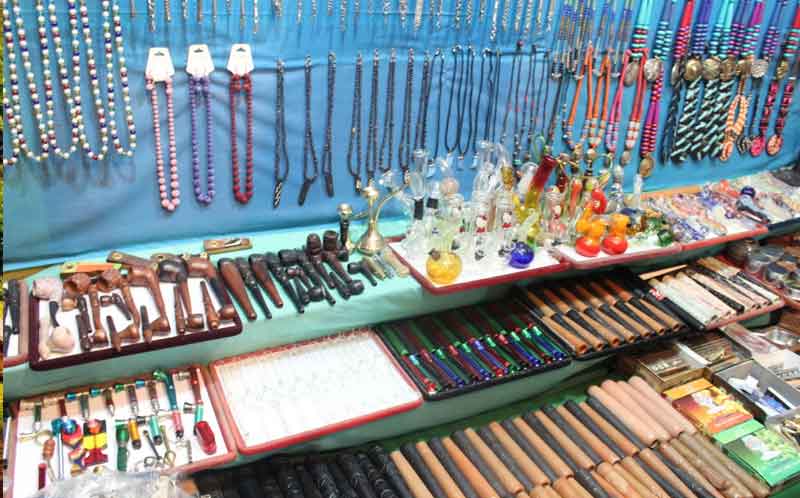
(162, 72)
(514, 77)
(639, 41)
(355, 128)
(612, 132)
(515, 107)
(371, 153)
(404, 146)
(199, 91)
(599, 119)
(465, 107)
(327, 156)
(781, 70)
(775, 143)
(568, 123)
(440, 85)
(693, 75)
(520, 133)
(634, 125)
(477, 102)
(281, 156)
(654, 73)
(531, 92)
(421, 126)
(622, 35)
(111, 10)
(11, 110)
(242, 83)
(539, 139)
(387, 140)
(309, 150)
(679, 51)
(454, 92)
(739, 107)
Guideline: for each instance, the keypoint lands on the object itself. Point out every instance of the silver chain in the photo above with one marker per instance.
(493, 27)
(528, 18)
(342, 15)
(518, 15)
(403, 9)
(468, 15)
(418, 8)
(506, 15)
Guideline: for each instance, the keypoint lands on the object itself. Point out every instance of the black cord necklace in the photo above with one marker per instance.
(371, 154)
(327, 157)
(514, 77)
(404, 147)
(387, 140)
(450, 148)
(533, 109)
(496, 93)
(442, 63)
(466, 106)
(477, 106)
(421, 126)
(280, 139)
(308, 140)
(355, 128)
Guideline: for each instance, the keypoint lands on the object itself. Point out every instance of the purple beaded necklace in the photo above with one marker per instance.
(199, 90)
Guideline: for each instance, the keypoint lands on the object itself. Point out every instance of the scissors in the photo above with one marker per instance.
(157, 461)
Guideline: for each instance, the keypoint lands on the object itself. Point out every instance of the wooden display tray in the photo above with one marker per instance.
(20, 356)
(544, 263)
(246, 448)
(37, 362)
(632, 254)
(225, 448)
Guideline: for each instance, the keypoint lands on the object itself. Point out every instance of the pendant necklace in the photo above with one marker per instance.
(571, 50)
(404, 146)
(728, 72)
(739, 107)
(654, 73)
(281, 156)
(531, 95)
(693, 75)
(355, 128)
(242, 84)
(169, 192)
(309, 150)
(493, 88)
(199, 91)
(476, 111)
(599, 117)
(327, 147)
(679, 51)
(568, 122)
(775, 143)
(465, 110)
(371, 152)
(557, 70)
(514, 77)
(634, 124)
(421, 126)
(621, 37)
(536, 147)
(456, 81)
(612, 131)
(527, 104)
(442, 63)
(387, 140)
(519, 125)
(641, 31)
(781, 70)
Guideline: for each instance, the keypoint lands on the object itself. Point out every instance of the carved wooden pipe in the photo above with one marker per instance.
(174, 271)
(100, 335)
(146, 276)
(128, 334)
(198, 266)
(258, 263)
(212, 318)
(112, 279)
(233, 280)
(180, 319)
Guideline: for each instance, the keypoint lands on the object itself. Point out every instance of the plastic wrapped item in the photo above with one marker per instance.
(116, 484)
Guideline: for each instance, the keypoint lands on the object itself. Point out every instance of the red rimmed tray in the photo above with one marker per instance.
(246, 448)
(633, 254)
(20, 356)
(543, 264)
(714, 241)
(224, 454)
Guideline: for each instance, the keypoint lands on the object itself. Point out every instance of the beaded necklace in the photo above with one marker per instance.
(387, 139)
(738, 110)
(634, 124)
(612, 131)
(693, 76)
(281, 156)
(242, 84)
(309, 150)
(199, 90)
(371, 152)
(654, 73)
(568, 122)
(172, 201)
(781, 69)
(641, 32)
(421, 126)
(599, 117)
(455, 92)
(404, 146)
(792, 47)
(679, 51)
(526, 98)
(622, 35)
(111, 10)
(327, 147)
(355, 128)
(514, 77)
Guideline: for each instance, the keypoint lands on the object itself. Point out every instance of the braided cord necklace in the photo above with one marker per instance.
(371, 152)
(387, 139)
(612, 131)
(781, 69)
(757, 68)
(281, 174)
(355, 128)
(693, 75)
(679, 51)
(641, 31)
(327, 156)
(242, 84)
(634, 124)
(514, 77)
(792, 46)
(718, 74)
(199, 91)
(466, 90)
(440, 85)
(421, 126)
(404, 146)
(309, 151)
(728, 72)
(477, 111)
(739, 107)
(654, 73)
(527, 104)
(585, 75)
(173, 187)
(455, 92)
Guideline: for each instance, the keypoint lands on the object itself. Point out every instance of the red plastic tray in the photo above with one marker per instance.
(245, 449)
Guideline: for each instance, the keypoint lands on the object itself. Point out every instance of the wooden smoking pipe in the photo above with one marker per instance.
(198, 266)
(233, 280)
(128, 334)
(180, 319)
(174, 271)
(145, 276)
(112, 279)
(100, 336)
(627, 297)
(313, 250)
(258, 263)
(212, 318)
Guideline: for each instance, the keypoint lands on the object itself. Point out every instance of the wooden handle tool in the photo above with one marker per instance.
(415, 484)
(478, 482)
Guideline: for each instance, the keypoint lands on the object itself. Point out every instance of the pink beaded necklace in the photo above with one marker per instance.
(160, 70)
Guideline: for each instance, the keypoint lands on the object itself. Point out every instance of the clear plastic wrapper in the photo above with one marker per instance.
(115, 484)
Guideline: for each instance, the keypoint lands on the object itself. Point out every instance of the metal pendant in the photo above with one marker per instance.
(653, 69)
(757, 146)
(782, 70)
(676, 74)
(711, 68)
(759, 68)
(774, 144)
(743, 143)
(694, 68)
(646, 166)
(727, 69)
(631, 73)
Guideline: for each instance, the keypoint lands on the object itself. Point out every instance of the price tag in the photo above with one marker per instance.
(159, 65)
(199, 63)
(240, 62)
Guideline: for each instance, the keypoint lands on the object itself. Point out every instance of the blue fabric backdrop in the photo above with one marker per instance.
(65, 208)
